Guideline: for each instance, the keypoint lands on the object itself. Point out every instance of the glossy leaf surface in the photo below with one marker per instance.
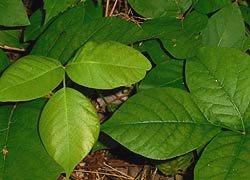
(29, 78)
(107, 65)
(220, 79)
(69, 127)
(154, 9)
(225, 28)
(54, 7)
(156, 123)
(24, 153)
(13, 12)
(226, 157)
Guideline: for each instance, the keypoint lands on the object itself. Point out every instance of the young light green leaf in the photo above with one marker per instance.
(69, 127)
(219, 78)
(13, 13)
(156, 123)
(23, 153)
(168, 74)
(225, 28)
(154, 9)
(226, 157)
(77, 30)
(205, 6)
(29, 78)
(54, 7)
(4, 61)
(107, 65)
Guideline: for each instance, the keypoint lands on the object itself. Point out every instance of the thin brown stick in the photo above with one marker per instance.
(117, 171)
(107, 8)
(113, 8)
(12, 48)
(104, 173)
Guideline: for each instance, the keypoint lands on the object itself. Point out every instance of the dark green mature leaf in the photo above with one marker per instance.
(54, 7)
(156, 123)
(35, 29)
(107, 65)
(180, 38)
(205, 6)
(69, 127)
(4, 61)
(70, 31)
(10, 38)
(13, 13)
(155, 50)
(168, 74)
(159, 8)
(226, 157)
(225, 28)
(29, 78)
(220, 79)
(245, 11)
(25, 156)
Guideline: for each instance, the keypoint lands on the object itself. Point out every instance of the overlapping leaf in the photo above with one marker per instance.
(70, 31)
(157, 122)
(220, 79)
(168, 74)
(13, 13)
(226, 157)
(24, 155)
(180, 38)
(29, 78)
(154, 9)
(69, 127)
(226, 28)
(206, 7)
(54, 7)
(4, 61)
(11, 38)
(107, 65)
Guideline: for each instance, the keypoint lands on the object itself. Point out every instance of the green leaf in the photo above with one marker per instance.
(154, 9)
(29, 78)
(4, 61)
(107, 65)
(174, 166)
(226, 157)
(13, 13)
(245, 11)
(205, 6)
(219, 78)
(168, 74)
(70, 31)
(54, 7)
(11, 38)
(35, 29)
(25, 155)
(155, 50)
(69, 127)
(180, 38)
(226, 28)
(156, 123)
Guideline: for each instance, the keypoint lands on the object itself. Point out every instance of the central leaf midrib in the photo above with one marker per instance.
(107, 64)
(227, 94)
(29, 80)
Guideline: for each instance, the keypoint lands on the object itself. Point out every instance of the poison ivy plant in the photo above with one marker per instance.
(196, 96)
